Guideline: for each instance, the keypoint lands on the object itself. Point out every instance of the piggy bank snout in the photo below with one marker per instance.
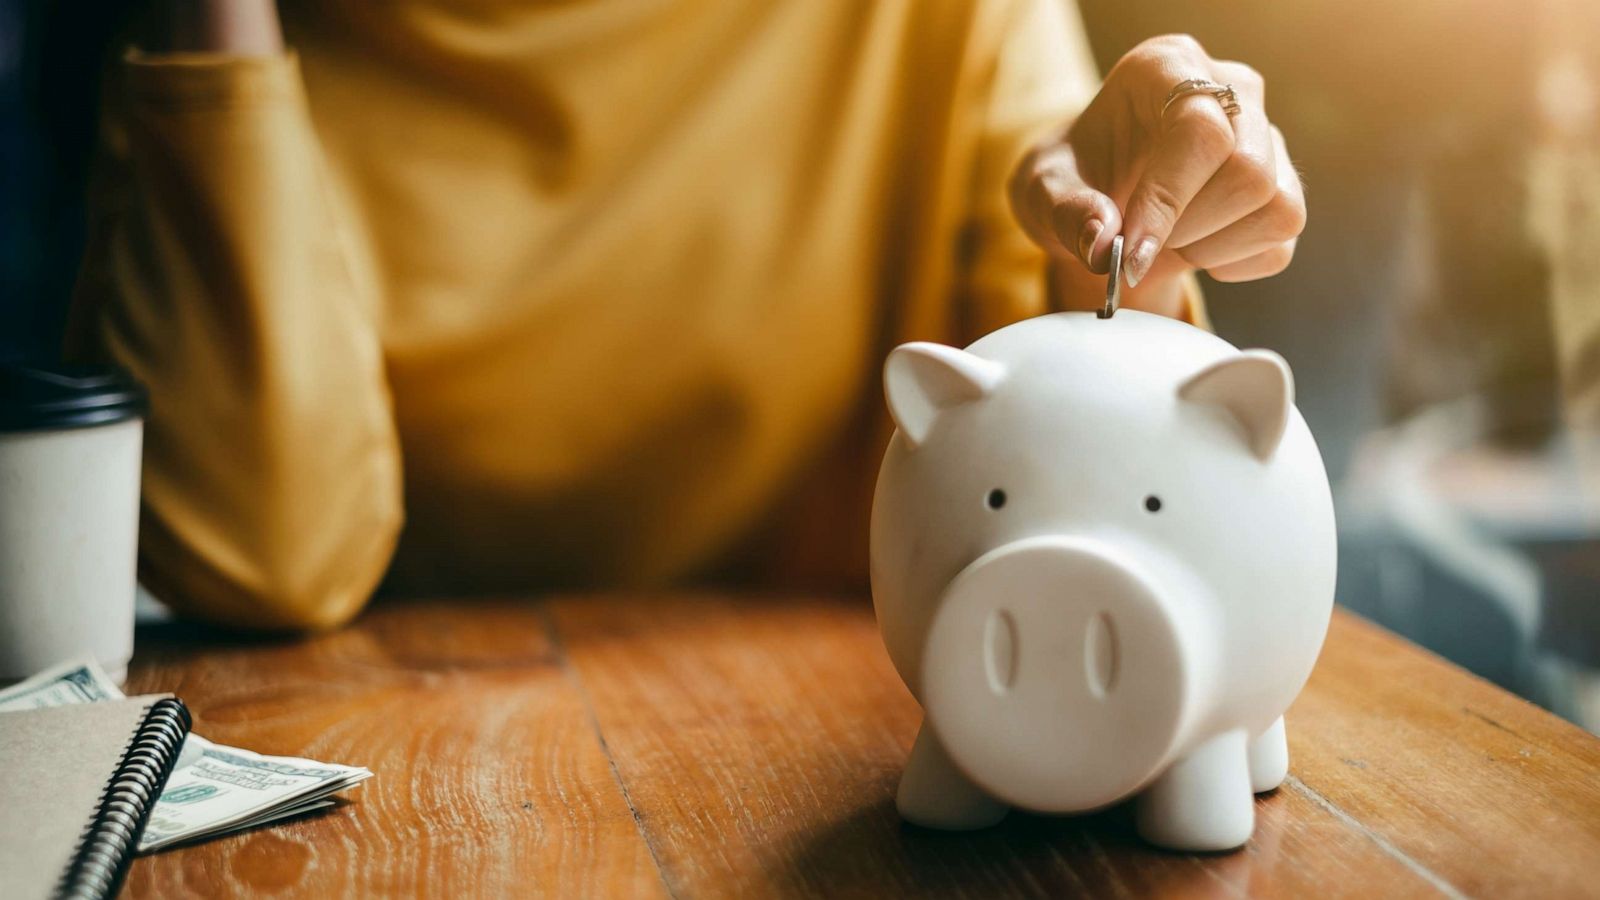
(1057, 675)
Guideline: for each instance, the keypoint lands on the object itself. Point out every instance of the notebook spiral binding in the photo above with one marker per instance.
(109, 840)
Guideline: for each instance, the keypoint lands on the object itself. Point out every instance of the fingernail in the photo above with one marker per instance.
(1086, 240)
(1138, 262)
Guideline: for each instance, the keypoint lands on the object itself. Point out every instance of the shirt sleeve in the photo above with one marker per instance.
(1044, 76)
(219, 273)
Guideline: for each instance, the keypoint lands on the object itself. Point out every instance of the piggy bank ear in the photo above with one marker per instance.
(923, 380)
(1256, 389)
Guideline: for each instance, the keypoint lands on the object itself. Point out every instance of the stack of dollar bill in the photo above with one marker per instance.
(213, 789)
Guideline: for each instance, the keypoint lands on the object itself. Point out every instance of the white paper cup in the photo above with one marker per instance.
(70, 440)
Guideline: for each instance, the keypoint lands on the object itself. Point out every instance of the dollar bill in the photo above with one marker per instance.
(213, 789)
(73, 682)
(225, 789)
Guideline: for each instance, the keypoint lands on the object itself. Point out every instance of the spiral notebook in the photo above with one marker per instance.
(76, 787)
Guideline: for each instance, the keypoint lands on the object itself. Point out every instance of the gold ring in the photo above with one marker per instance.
(1223, 92)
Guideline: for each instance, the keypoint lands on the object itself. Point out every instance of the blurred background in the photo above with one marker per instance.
(1442, 314)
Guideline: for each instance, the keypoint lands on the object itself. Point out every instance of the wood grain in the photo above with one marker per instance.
(1492, 794)
(490, 778)
(706, 746)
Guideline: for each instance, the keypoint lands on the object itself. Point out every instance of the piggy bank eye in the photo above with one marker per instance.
(1152, 503)
(996, 499)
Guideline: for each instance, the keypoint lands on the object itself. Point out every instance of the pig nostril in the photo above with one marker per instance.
(1100, 655)
(1000, 650)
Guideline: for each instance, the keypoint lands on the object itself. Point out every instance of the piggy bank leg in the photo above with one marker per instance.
(1269, 758)
(1204, 801)
(934, 794)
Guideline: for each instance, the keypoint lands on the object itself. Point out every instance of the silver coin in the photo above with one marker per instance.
(1113, 280)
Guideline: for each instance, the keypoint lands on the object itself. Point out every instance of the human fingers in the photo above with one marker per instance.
(1193, 140)
(1059, 210)
(1279, 220)
(1247, 179)
(1265, 264)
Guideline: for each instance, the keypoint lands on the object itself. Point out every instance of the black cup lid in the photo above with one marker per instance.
(36, 397)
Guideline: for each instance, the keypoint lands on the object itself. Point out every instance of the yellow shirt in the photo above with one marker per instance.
(582, 293)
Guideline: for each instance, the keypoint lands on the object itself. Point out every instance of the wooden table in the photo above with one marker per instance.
(696, 746)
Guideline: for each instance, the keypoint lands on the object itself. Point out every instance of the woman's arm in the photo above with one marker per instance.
(222, 274)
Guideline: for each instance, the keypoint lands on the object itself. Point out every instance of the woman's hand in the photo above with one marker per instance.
(1187, 188)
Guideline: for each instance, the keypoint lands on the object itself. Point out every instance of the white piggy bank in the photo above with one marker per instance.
(1103, 560)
